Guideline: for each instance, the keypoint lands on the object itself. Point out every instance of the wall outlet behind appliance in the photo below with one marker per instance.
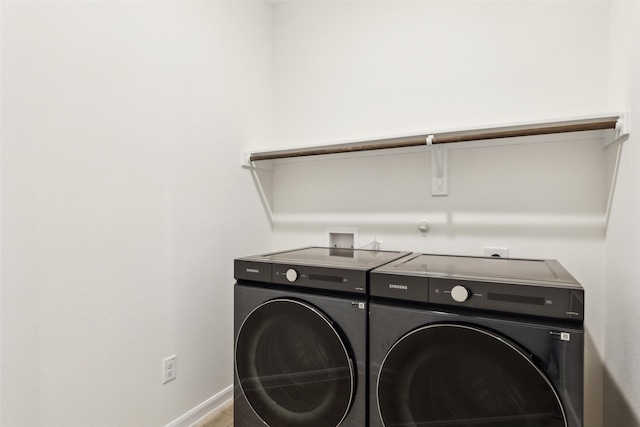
(169, 371)
(496, 252)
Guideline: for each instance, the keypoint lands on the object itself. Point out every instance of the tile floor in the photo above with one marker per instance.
(222, 417)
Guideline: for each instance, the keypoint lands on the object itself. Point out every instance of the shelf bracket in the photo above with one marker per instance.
(247, 163)
(621, 131)
(439, 168)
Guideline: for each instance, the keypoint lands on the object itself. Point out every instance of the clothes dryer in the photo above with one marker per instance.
(301, 337)
(475, 342)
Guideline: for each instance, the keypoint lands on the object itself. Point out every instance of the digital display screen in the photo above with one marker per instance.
(521, 299)
(325, 278)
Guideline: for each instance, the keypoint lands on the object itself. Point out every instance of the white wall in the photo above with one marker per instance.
(622, 344)
(354, 70)
(358, 70)
(123, 204)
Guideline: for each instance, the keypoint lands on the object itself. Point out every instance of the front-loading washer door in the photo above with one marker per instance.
(463, 376)
(293, 366)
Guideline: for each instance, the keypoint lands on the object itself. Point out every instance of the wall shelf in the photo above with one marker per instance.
(614, 127)
(616, 122)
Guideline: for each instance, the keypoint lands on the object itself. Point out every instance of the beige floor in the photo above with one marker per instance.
(223, 417)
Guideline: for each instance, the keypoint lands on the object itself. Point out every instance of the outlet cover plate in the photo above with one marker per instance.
(169, 371)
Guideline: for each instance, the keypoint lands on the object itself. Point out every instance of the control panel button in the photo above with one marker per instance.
(292, 275)
(460, 294)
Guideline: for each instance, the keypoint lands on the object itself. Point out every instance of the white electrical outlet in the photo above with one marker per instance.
(169, 371)
(496, 252)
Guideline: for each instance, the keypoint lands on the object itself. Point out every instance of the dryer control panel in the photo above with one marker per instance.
(544, 301)
(530, 287)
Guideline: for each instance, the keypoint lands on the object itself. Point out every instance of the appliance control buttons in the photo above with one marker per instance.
(292, 275)
(459, 293)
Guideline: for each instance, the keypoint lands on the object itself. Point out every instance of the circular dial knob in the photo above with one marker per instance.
(292, 275)
(459, 293)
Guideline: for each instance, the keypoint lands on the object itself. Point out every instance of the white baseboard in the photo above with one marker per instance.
(203, 409)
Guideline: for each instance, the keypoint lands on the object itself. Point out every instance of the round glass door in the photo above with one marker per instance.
(293, 366)
(461, 376)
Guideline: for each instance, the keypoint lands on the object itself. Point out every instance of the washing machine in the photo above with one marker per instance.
(475, 342)
(300, 320)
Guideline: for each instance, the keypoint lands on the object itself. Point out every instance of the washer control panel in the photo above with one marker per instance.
(320, 278)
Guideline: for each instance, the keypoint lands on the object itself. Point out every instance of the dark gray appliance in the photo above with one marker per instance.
(475, 342)
(300, 321)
